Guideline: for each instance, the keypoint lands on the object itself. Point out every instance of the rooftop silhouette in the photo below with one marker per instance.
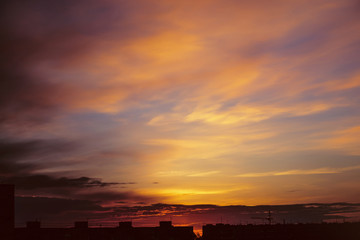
(166, 230)
(125, 231)
(311, 231)
(7, 217)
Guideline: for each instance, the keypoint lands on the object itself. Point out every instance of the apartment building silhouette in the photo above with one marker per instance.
(311, 231)
(7, 211)
(124, 231)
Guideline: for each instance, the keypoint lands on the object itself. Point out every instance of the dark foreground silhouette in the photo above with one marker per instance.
(166, 231)
(125, 231)
(324, 231)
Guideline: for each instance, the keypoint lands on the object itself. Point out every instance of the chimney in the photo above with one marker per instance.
(165, 224)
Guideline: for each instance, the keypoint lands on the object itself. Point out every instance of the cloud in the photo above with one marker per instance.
(201, 174)
(186, 174)
(249, 114)
(45, 181)
(301, 172)
(342, 84)
(20, 156)
(346, 140)
(115, 196)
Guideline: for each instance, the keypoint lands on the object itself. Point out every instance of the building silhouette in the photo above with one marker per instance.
(7, 211)
(125, 231)
(326, 231)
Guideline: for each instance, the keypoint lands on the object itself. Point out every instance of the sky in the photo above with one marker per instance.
(189, 110)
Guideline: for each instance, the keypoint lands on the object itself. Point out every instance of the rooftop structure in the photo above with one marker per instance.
(329, 231)
(7, 218)
(125, 231)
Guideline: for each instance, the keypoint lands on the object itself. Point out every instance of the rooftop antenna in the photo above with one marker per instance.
(269, 218)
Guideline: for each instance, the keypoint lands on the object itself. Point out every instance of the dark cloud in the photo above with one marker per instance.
(38, 32)
(112, 196)
(21, 158)
(304, 213)
(127, 183)
(14, 151)
(25, 97)
(45, 181)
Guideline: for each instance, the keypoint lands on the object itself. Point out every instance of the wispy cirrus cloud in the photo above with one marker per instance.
(325, 170)
(344, 139)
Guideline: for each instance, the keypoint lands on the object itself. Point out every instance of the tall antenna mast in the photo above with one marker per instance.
(269, 218)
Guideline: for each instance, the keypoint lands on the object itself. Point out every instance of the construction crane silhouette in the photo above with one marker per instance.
(268, 218)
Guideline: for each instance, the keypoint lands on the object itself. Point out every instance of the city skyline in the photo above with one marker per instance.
(196, 110)
(270, 228)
